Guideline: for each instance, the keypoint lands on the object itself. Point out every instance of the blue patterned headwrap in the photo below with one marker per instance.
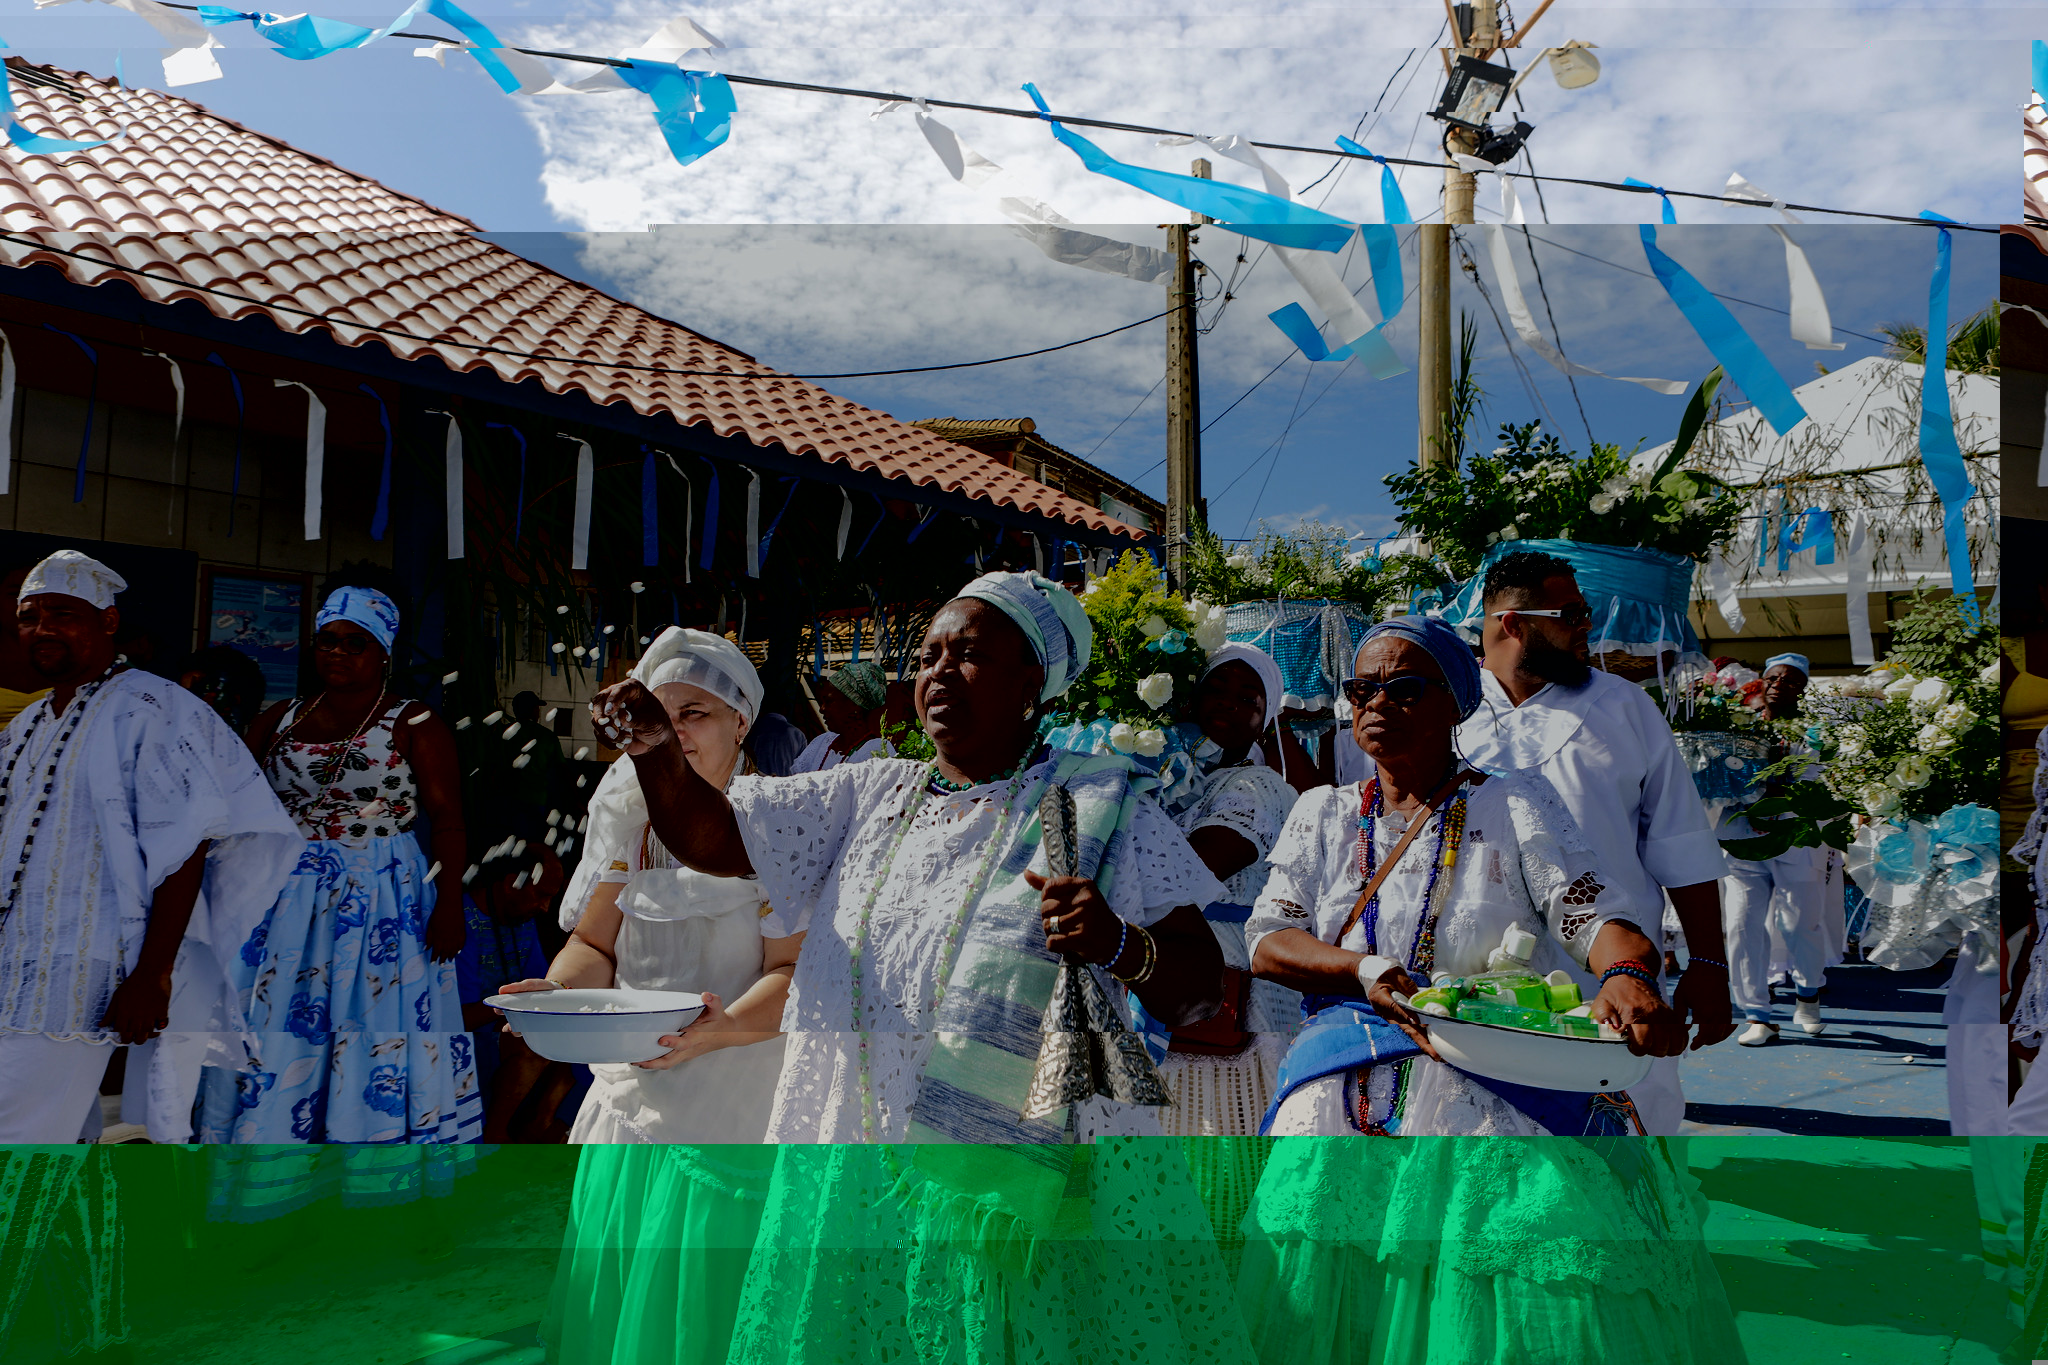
(365, 607)
(1051, 618)
(1445, 645)
(1797, 661)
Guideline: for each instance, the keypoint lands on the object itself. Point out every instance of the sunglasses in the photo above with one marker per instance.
(331, 642)
(1405, 690)
(1577, 614)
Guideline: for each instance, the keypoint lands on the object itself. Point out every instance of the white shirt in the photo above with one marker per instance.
(1606, 749)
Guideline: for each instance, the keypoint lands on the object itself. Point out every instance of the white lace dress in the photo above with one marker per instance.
(2030, 1010)
(1227, 1096)
(1523, 861)
(819, 841)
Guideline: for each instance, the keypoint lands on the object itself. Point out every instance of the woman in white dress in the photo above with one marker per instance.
(647, 1271)
(852, 698)
(933, 935)
(1443, 1249)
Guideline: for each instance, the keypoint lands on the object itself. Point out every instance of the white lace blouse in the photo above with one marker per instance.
(819, 841)
(2030, 1010)
(1523, 861)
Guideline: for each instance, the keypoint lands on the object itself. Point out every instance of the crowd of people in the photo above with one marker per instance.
(840, 1158)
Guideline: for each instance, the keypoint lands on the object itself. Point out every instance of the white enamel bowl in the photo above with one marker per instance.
(1549, 1060)
(603, 1026)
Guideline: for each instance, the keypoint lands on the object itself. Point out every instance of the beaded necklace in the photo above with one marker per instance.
(858, 948)
(1450, 833)
(71, 722)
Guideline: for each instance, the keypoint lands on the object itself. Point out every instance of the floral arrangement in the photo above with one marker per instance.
(1532, 488)
(1716, 701)
(1314, 561)
(1150, 650)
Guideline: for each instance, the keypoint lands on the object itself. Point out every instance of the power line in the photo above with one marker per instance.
(1569, 377)
(1127, 417)
(487, 349)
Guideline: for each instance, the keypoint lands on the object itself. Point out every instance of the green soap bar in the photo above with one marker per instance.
(1577, 1026)
(1509, 1016)
(1565, 997)
(1433, 995)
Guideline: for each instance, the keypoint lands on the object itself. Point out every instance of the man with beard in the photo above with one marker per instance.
(1606, 748)
(137, 840)
(1790, 889)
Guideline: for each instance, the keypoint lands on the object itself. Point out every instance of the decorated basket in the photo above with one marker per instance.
(1640, 600)
(1724, 763)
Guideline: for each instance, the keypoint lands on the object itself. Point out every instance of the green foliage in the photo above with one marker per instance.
(1142, 631)
(910, 741)
(1937, 638)
(1314, 561)
(1532, 488)
(1972, 343)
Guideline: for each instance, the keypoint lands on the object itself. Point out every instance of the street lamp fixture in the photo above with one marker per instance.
(1475, 90)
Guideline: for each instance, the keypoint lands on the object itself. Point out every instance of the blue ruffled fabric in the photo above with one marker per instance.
(1313, 641)
(1640, 597)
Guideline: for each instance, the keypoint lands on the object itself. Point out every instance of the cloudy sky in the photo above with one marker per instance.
(824, 240)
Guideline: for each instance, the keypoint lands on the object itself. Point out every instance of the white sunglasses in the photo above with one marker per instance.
(1567, 614)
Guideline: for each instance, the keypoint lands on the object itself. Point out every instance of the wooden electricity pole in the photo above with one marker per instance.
(1183, 398)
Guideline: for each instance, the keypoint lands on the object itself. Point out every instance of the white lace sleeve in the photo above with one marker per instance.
(1562, 876)
(796, 828)
(2030, 1011)
(2028, 849)
(1156, 871)
(1298, 861)
(1253, 802)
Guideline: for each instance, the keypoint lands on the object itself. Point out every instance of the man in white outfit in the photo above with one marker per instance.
(1607, 749)
(137, 841)
(1787, 893)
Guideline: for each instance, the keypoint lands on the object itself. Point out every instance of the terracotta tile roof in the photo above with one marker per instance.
(191, 202)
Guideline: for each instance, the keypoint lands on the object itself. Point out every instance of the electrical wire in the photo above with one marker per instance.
(1127, 417)
(1569, 378)
(487, 349)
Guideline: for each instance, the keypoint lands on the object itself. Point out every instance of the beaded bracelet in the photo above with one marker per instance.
(1150, 960)
(1123, 934)
(1705, 962)
(1631, 969)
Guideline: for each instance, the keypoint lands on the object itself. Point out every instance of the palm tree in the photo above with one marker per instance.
(1972, 343)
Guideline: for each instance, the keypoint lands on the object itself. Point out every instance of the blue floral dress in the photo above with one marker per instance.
(358, 1031)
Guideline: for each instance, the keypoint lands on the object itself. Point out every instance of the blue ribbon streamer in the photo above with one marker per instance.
(1670, 214)
(241, 414)
(693, 109)
(2040, 68)
(92, 394)
(1393, 204)
(381, 518)
(769, 534)
(1939, 452)
(1383, 251)
(881, 515)
(469, 28)
(1817, 534)
(518, 508)
(927, 519)
(301, 37)
(35, 143)
(710, 520)
(1248, 212)
(650, 523)
(1739, 356)
(1373, 348)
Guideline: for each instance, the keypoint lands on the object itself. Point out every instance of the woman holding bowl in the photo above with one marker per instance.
(933, 933)
(1440, 1249)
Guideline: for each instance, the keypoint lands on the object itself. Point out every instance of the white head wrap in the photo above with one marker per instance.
(704, 660)
(74, 575)
(1052, 619)
(1262, 664)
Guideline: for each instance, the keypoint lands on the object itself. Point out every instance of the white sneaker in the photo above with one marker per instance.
(1806, 1014)
(1757, 1034)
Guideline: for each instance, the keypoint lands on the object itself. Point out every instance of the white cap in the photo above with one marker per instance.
(74, 575)
(1518, 943)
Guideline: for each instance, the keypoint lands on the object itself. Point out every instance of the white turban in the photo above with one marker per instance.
(1262, 664)
(74, 575)
(704, 660)
(1052, 619)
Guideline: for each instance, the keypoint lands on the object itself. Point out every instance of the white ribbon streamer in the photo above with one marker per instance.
(454, 469)
(6, 412)
(845, 519)
(753, 525)
(1856, 566)
(1036, 222)
(1525, 324)
(189, 59)
(1809, 308)
(586, 476)
(1721, 582)
(316, 453)
(689, 510)
(1510, 202)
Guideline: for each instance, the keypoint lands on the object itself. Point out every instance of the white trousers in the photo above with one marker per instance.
(1790, 891)
(1975, 1047)
(49, 1088)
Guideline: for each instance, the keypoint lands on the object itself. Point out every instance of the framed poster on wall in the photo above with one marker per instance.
(264, 615)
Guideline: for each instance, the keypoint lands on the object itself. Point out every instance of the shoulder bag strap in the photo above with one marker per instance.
(1372, 887)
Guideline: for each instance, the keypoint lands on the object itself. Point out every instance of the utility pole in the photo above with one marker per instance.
(1433, 240)
(1183, 398)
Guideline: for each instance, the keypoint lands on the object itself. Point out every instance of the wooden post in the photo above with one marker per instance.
(1183, 398)
(1433, 351)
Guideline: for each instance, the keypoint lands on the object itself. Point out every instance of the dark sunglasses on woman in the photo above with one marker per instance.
(1405, 690)
(329, 641)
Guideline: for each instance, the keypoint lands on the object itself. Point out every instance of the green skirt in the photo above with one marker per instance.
(655, 1254)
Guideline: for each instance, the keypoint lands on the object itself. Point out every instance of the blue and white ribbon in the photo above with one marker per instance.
(92, 394)
(1393, 204)
(1670, 214)
(1524, 322)
(1738, 354)
(693, 109)
(1939, 452)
